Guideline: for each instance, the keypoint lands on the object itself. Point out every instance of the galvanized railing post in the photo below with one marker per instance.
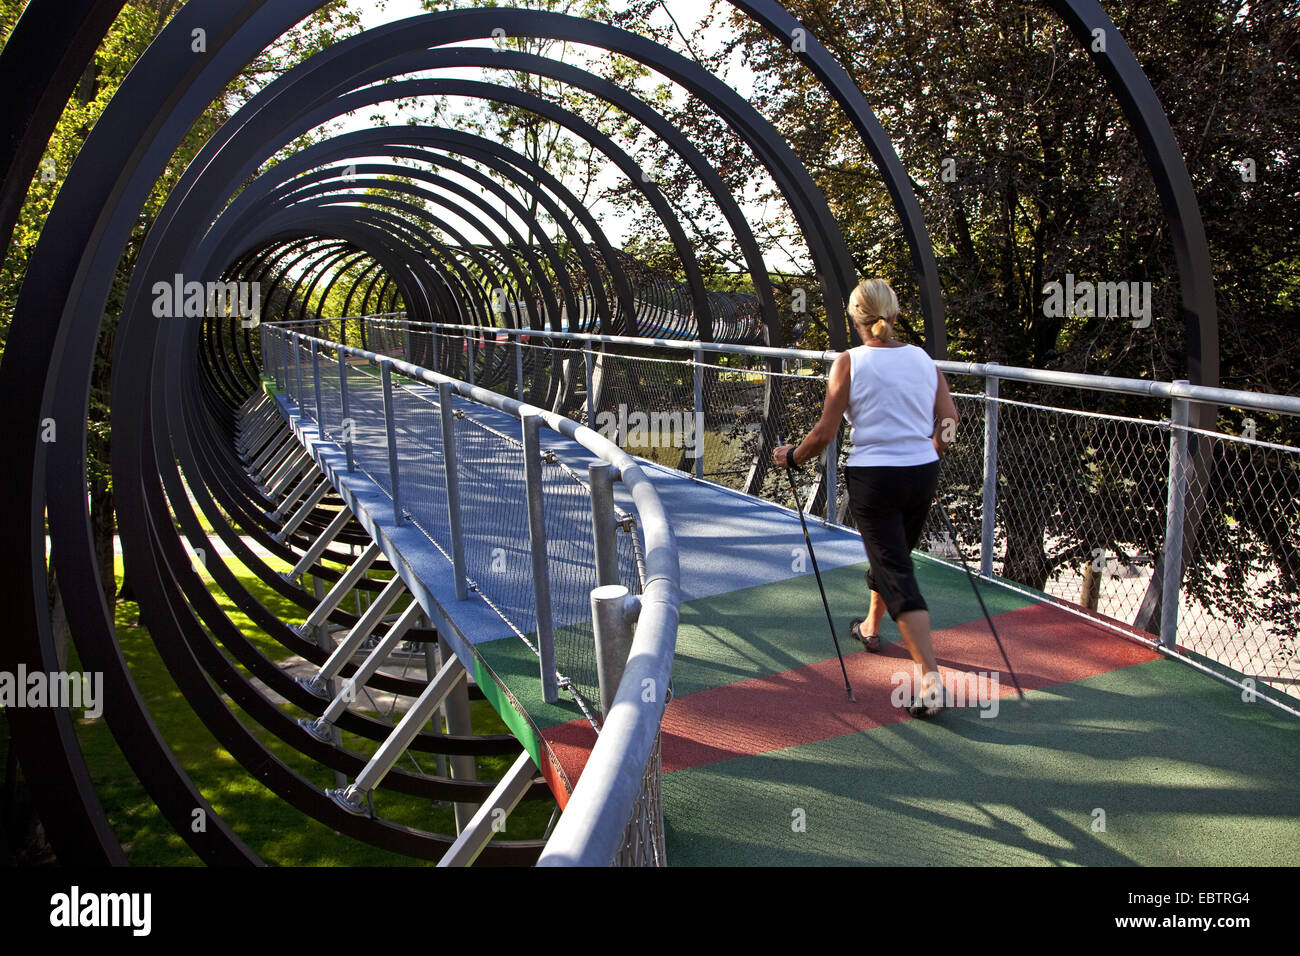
(471, 352)
(315, 384)
(589, 360)
(988, 509)
(832, 475)
(282, 352)
(390, 430)
(519, 368)
(698, 422)
(346, 425)
(612, 636)
(1171, 582)
(603, 525)
(453, 489)
(613, 612)
(268, 357)
(273, 355)
(297, 372)
(537, 541)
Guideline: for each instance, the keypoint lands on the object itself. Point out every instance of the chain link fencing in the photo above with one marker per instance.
(495, 531)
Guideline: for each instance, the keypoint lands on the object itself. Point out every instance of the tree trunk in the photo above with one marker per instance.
(1026, 558)
(1090, 592)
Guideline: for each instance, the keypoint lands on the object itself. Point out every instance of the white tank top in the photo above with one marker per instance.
(891, 406)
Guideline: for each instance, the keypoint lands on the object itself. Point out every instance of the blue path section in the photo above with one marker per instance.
(726, 540)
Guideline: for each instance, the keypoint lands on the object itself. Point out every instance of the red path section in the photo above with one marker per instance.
(801, 706)
(1047, 646)
(571, 743)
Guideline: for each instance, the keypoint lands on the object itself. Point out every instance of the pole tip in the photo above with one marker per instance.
(852, 699)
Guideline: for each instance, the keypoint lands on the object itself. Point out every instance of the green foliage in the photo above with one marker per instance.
(135, 28)
(1043, 174)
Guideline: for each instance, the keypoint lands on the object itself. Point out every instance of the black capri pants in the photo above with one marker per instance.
(890, 505)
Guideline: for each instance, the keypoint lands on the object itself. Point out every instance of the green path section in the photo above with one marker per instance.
(776, 627)
(511, 663)
(1185, 772)
(516, 665)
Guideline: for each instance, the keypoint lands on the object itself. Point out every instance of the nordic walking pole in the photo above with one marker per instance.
(952, 532)
(789, 472)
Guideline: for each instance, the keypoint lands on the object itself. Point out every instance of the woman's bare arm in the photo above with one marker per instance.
(837, 401)
(945, 416)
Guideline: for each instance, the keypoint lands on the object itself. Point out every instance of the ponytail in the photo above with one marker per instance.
(873, 304)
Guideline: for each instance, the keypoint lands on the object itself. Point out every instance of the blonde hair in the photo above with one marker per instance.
(874, 305)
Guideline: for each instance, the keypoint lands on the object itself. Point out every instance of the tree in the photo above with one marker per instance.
(1025, 173)
(136, 26)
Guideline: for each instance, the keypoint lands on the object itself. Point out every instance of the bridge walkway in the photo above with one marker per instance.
(1121, 757)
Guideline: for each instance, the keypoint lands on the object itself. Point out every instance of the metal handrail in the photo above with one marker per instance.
(591, 829)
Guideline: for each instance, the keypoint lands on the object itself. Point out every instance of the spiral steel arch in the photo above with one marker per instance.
(184, 407)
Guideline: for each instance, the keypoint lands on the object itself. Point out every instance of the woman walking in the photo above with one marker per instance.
(903, 419)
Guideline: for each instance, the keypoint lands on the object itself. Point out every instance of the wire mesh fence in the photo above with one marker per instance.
(643, 842)
(331, 395)
(1082, 504)
(645, 406)
(1240, 602)
(571, 561)
(421, 467)
(369, 438)
(494, 514)
(537, 371)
